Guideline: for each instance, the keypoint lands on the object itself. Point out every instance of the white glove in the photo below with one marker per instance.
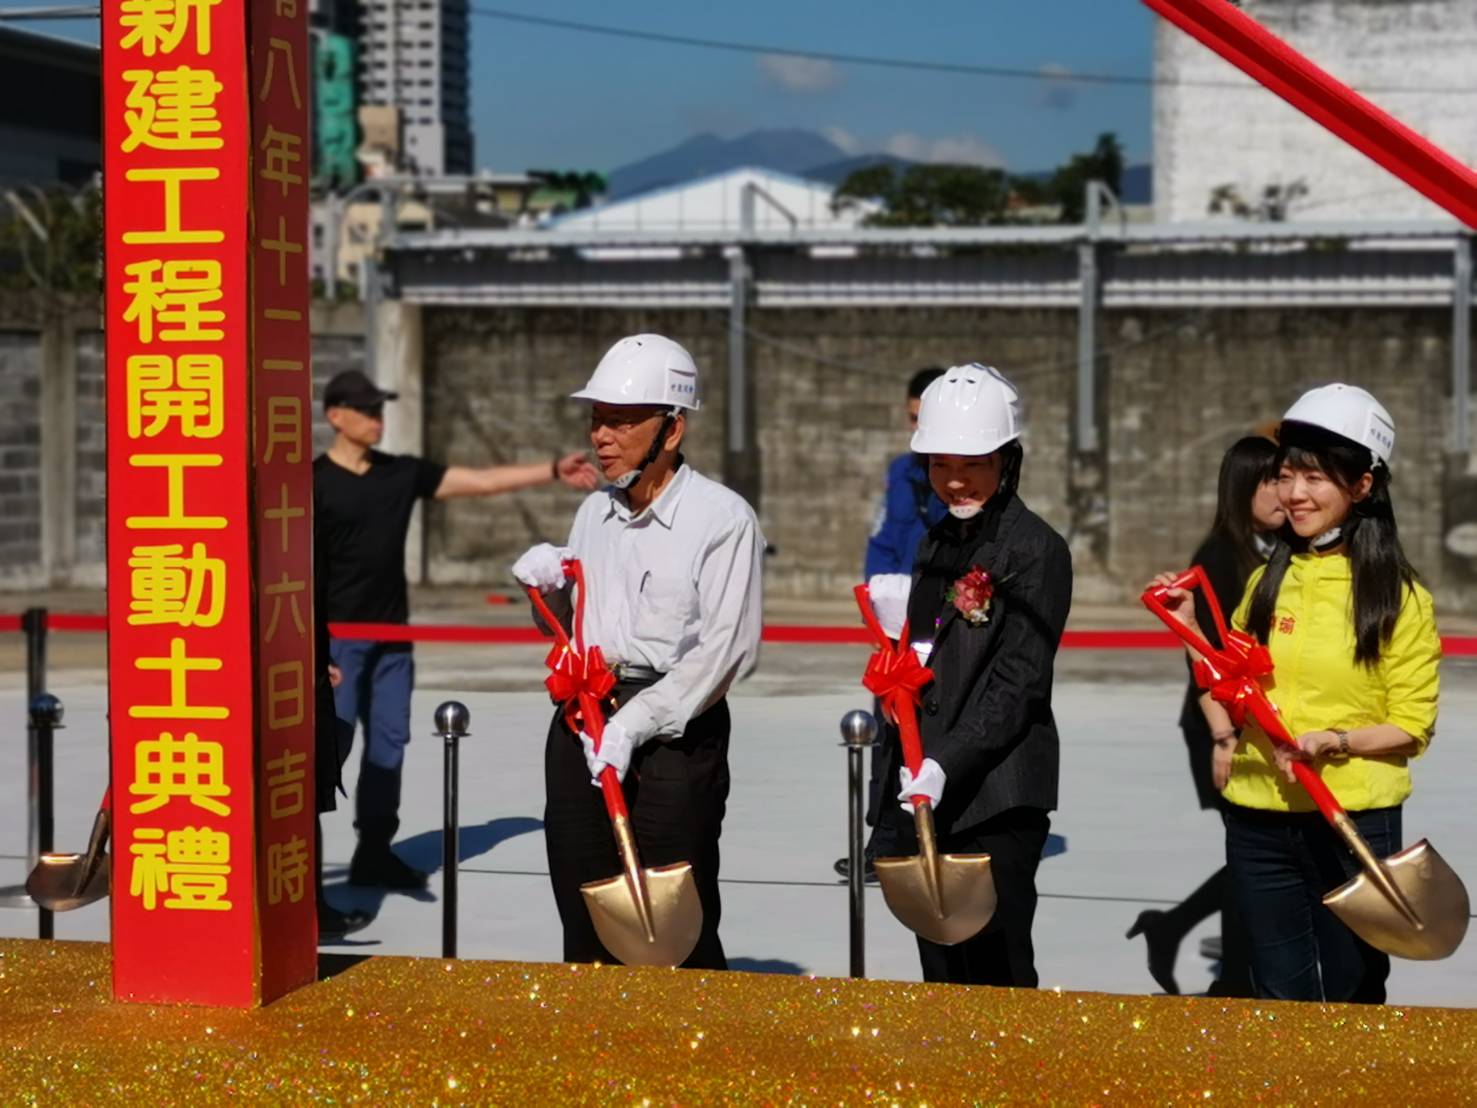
(929, 783)
(616, 748)
(542, 566)
(889, 592)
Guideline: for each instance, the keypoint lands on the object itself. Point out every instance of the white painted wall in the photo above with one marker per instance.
(1205, 137)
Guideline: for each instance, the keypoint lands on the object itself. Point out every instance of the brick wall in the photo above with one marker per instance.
(1178, 387)
(92, 460)
(20, 456)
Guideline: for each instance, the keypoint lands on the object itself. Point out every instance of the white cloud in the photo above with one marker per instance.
(961, 149)
(1059, 88)
(797, 74)
(844, 140)
(965, 149)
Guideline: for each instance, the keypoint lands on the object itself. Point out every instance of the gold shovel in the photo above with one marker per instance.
(62, 882)
(946, 898)
(644, 916)
(1411, 904)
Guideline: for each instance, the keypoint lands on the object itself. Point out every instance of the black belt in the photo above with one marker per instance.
(628, 674)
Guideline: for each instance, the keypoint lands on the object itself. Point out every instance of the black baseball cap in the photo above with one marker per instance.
(352, 389)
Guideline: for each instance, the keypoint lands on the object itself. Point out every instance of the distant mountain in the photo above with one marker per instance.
(787, 151)
(803, 153)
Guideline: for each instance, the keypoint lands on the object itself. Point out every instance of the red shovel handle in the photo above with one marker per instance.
(1192, 578)
(1271, 721)
(591, 714)
(899, 705)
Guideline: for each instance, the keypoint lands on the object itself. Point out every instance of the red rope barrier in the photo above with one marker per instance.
(1452, 646)
(62, 621)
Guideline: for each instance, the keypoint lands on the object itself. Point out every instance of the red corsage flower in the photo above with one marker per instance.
(971, 595)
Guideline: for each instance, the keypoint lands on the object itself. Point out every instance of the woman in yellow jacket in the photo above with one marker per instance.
(1353, 638)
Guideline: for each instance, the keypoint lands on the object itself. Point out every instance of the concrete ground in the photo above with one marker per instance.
(1128, 834)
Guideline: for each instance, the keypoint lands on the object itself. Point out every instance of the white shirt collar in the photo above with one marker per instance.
(663, 509)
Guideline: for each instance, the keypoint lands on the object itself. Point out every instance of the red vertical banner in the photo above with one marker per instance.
(283, 491)
(185, 610)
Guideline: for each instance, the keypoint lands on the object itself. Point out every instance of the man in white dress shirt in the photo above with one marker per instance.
(672, 563)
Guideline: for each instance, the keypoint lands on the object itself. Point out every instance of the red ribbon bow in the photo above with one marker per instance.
(896, 677)
(1232, 675)
(578, 681)
(894, 674)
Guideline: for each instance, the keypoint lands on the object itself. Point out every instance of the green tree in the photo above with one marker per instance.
(973, 196)
(926, 195)
(51, 243)
(1068, 185)
(581, 187)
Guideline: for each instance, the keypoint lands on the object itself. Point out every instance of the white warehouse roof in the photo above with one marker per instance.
(780, 202)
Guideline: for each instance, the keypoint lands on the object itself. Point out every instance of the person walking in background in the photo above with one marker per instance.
(362, 504)
(1247, 515)
(907, 509)
(1356, 656)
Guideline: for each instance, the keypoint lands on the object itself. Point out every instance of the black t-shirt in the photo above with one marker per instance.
(360, 525)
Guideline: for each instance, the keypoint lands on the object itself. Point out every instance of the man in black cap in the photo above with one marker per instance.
(362, 500)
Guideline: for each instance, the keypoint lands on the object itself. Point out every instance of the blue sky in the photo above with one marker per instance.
(550, 98)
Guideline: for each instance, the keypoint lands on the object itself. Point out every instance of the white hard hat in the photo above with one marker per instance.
(1348, 411)
(971, 409)
(644, 370)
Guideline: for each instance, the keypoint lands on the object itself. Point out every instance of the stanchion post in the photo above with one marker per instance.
(33, 623)
(858, 730)
(45, 719)
(452, 719)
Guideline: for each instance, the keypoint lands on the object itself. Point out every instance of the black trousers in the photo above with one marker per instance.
(1002, 953)
(676, 793)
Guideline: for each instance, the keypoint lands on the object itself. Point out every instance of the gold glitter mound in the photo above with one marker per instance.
(408, 1030)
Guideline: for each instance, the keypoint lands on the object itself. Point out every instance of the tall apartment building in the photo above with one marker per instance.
(413, 56)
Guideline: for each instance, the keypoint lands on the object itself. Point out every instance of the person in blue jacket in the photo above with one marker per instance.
(907, 510)
(908, 507)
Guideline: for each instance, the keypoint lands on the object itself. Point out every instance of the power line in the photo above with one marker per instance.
(914, 64)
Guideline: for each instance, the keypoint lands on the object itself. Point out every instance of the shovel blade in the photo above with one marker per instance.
(1434, 891)
(967, 890)
(53, 884)
(676, 916)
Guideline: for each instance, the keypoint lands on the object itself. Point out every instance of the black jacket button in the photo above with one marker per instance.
(932, 707)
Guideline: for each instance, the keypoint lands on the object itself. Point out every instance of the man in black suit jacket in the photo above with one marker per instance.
(989, 737)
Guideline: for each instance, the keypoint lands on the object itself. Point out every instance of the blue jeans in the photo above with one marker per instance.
(1281, 865)
(375, 691)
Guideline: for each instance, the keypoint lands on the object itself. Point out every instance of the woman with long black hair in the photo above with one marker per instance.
(1247, 514)
(1353, 640)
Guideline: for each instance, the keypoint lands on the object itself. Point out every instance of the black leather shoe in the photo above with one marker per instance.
(380, 867)
(334, 924)
(869, 872)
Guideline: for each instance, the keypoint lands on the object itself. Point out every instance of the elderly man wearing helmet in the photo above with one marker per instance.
(1353, 639)
(672, 562)
(986, 604)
